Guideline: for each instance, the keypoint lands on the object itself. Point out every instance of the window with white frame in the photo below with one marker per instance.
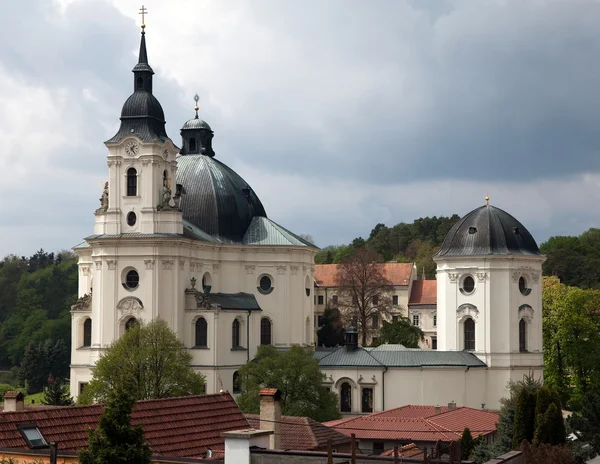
(415, 319)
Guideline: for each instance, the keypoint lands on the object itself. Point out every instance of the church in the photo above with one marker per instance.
(181, 236)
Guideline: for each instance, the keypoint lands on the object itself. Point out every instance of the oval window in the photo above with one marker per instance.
(523, 286)
(468, 285)
(265, 283)
(131, 219)
(132, 280)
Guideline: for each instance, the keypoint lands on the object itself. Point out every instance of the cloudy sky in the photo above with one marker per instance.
(340, 113)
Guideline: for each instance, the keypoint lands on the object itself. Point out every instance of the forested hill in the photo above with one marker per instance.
(574, 260)
(36, 294)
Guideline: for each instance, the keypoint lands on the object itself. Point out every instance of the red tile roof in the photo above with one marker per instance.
(398, 273)
(303, 433)
(183, 427)
(423, 292)
(269, 392)
(420, 423)
(13, 394)
(406, 451)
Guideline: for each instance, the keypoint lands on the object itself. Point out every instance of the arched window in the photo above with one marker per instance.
(522, 335)
(130, 323)
(201, 333)
(206, 282)
(131, 182)
(235, 334)
(346, 397)
(469, 329)
(237, 384)
(165, 179)
(87, 332)
(192, 145)
(265, 331)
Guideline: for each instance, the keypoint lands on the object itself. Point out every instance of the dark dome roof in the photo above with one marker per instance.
(196, 123)
(488, 231)
(142, 104)
(215, 198)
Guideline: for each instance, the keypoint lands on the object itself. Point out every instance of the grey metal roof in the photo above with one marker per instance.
(216, 199)
(82, 245)
(237, 301)
(263, 231)
(196, 123)
(488, 231)
(397, 356)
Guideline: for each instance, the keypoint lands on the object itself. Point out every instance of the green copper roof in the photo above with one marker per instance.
(263, 231)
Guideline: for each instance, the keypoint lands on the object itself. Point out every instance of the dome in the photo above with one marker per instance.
(215, 198)
(196, 123)
(488, 231)
(142, 105)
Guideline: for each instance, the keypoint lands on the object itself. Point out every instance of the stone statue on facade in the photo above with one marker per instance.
(83, 303)
(103, 200)
(165, 202)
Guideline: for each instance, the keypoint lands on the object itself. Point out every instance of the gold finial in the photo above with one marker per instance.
(143, 12)
(487, 200)
(196, 98)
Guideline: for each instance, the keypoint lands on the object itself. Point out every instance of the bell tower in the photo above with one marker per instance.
(141, 195)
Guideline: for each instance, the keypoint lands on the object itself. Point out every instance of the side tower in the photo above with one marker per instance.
(489, 294)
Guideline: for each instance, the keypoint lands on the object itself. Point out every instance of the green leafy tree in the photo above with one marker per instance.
(116, 440)
(57, 393)
(400, 332)
(331, 333)
(148, 360)
(586, 424)
(466, 444)
(545, 454)
(296, 374)
(550, 427)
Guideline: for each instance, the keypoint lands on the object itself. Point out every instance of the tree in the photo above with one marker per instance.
(116, 440)
(364, 298)
(550, 427)
(57, 393)
(331, 332)
(586, 424)
(297, 376)
(149, 361)
(42, 360)
(546, 454)
(571, 339)
(466, 444)
(524, 428)
(400, 332)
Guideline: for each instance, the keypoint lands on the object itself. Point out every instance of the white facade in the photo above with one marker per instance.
(166, 261)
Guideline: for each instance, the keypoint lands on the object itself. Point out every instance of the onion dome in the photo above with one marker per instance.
(214, 197)
(196, 135)
(142, 114)
(488, 231)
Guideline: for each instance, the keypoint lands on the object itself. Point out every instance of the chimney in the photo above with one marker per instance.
(14, 401)
(270, 415)
(451, 406)
(351, 339)
(438, 410)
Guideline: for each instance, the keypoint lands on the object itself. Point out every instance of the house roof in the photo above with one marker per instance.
(398, 273)
(303, 433)
(423, 292)
(407, 451)
(395, 356)
(183, 427)
(419, 423)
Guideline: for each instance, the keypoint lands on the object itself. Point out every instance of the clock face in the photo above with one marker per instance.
(131, 148)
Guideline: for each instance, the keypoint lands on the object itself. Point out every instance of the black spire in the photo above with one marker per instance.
(142, 71)
(142, 114)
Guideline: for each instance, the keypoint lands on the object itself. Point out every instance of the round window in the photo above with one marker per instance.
(523, 286)
(265, 283)
(131, 219)
(468, 285)
(132, 279)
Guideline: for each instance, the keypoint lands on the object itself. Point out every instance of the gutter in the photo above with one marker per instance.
(248, 336)
(383, 388)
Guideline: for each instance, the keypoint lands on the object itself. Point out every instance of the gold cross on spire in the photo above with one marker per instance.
(143, 12)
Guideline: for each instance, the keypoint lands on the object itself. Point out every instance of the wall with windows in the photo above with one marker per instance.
(481, 303)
